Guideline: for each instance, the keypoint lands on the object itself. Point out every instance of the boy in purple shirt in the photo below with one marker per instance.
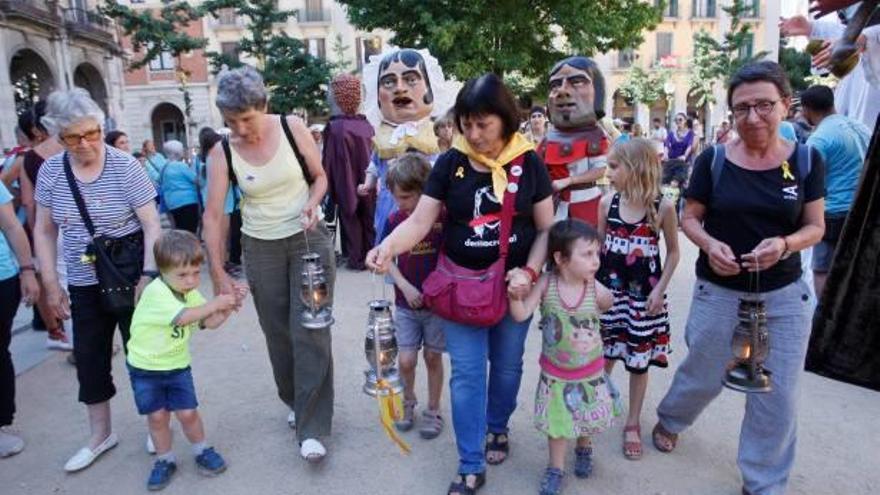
(416, 325)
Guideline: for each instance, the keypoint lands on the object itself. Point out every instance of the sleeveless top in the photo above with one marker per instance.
(32, 163)
(631, 253)
(272, 195)
(572, 340)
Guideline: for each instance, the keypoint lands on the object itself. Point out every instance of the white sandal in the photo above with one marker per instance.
(312, 450)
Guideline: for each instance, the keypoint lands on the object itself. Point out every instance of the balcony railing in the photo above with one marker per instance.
(313, 16)
(40, 12)
(89, 25)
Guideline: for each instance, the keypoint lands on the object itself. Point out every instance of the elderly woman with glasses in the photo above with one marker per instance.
(118, 197)
(277, 167)
(752, 205)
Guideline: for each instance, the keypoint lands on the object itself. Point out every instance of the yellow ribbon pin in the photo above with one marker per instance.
(786, 171)
(460, 173)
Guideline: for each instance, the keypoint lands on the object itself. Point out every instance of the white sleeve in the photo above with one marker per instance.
(871, 56)
(826, 30)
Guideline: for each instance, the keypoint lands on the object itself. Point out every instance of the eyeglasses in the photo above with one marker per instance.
(762, 108)
(74, 139)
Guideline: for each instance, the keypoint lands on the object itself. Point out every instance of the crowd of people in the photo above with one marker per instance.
(480, 215)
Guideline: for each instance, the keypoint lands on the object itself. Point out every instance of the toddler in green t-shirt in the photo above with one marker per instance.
(168, 312)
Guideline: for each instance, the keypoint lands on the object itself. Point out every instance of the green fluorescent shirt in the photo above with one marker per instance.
(156, 343)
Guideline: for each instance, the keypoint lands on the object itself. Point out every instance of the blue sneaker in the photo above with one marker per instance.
(210, 463)
(161, 475)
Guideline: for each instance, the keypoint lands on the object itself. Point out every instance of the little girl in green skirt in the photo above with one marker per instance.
(573, 400)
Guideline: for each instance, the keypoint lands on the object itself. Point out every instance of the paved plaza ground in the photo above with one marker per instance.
(244, 419)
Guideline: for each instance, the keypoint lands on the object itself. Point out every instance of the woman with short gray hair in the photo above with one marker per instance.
(276, 164)
(177, 185)
(752, 204)
(91, 191)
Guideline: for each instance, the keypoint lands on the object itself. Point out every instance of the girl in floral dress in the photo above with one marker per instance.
(573, 400)
(636, 329)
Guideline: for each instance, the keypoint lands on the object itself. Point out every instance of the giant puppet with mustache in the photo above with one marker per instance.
(576, 148)
(405, 87)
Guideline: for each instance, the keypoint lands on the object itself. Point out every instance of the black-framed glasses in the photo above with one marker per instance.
(762, 108)
(74, 139)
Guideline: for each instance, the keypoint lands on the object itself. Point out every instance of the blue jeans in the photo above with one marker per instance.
(476, 404)
(769, 429)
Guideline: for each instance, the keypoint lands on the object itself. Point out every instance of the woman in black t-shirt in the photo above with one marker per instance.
(468, 180)
(752, 204)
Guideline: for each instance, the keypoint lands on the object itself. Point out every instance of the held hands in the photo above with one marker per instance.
(766, 254)
(224, 285)
(225, 303)
(379, 259)
(518, 283)
(58, 302)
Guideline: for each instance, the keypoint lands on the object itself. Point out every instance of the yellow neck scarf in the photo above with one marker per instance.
(517, 145)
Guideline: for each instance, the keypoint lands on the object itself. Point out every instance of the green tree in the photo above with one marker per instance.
(642, 86)
(342, 64)
(295, 78)
(716, 61)
(796, 64)
(470, 38)
(154, 33)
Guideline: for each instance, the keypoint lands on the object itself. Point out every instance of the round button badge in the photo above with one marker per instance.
(512, 188)
(516, 170)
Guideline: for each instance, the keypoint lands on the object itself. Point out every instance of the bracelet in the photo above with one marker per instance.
(26, 268)
(533, 276)
(150, 273)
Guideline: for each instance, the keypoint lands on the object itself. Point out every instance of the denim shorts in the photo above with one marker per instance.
(156, 390)
(416, 327)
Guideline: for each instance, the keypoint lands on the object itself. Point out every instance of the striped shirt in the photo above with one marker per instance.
(111, 200)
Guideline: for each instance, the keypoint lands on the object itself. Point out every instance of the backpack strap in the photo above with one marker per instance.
(228, 152)
(718, 158)
(302, 161)
(804, 160)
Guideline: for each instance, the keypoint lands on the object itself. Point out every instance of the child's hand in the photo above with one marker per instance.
(518, 283)
(241, 291)
(561, 184)
(413, 297)
(655, 303)
(363, 190)
(225, 302)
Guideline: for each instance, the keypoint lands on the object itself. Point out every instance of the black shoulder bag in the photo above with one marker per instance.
(119, 261)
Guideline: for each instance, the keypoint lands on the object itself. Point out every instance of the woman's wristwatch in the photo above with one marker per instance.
(787, 252)
(153, 274)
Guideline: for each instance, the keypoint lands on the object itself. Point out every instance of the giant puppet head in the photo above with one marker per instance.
(405, 85)
(577, 93)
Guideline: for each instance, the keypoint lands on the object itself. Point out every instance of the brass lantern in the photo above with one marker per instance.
(314, 293)
(380, 348)
(751, 345)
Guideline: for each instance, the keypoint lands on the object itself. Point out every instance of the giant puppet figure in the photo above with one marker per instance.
(405, 87)
(576, 148)
(347, 150)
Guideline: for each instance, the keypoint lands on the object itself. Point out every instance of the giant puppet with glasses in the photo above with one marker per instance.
(576, 148)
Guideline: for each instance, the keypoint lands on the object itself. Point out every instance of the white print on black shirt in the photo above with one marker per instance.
(485, 224)
(790, 192)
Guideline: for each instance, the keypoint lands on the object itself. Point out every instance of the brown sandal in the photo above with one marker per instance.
(664, 441)
(632, 450)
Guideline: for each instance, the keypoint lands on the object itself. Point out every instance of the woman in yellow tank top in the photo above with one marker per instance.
(277, 166)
